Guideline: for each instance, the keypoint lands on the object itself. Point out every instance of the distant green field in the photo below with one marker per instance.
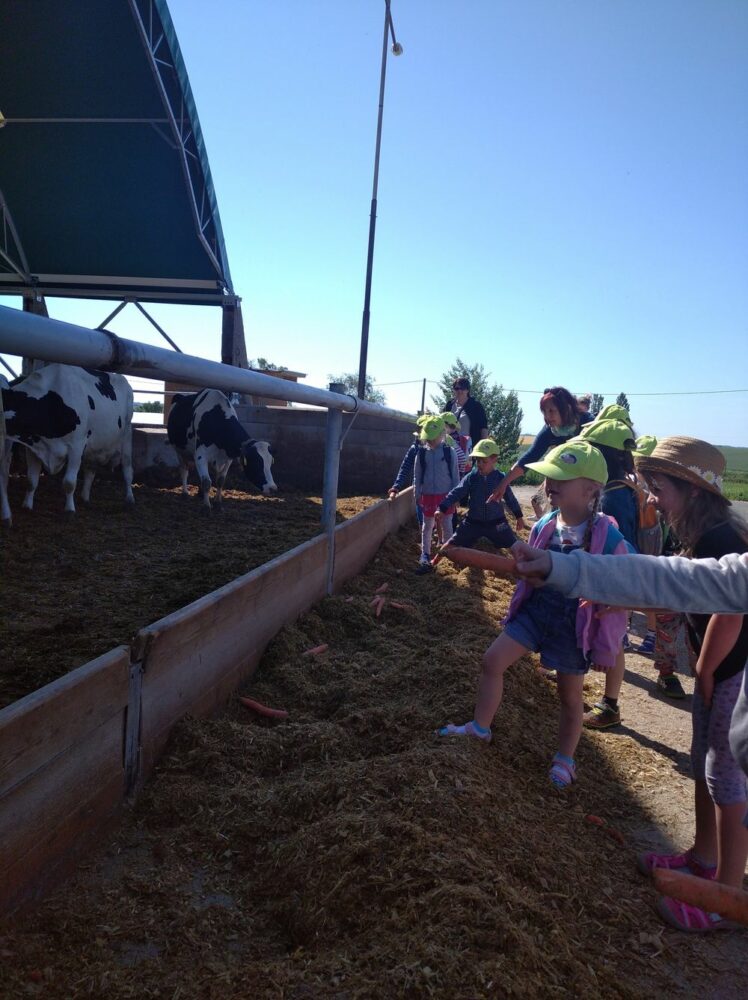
(736, 458)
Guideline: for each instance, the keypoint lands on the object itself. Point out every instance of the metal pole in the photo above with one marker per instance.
(397, 49)
(52, 340)
(423, 398)
(330, 483)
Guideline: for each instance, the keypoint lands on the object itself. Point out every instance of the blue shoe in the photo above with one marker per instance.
(647, 645)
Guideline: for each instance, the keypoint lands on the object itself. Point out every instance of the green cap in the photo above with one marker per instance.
(615, 412)
(420, 421)
(485, 449)
(645, 445)
(577, 459)
(431, 428)
(450, 419)
(613, 433)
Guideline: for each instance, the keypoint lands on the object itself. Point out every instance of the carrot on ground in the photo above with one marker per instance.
(316, 650)
(381, 589)
(400, 606)
(714, 897)
(269, 713)
(595, 820)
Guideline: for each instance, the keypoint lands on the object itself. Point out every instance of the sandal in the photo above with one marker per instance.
(687, 862)
(562, 774)
(685, 917)
(467, 730)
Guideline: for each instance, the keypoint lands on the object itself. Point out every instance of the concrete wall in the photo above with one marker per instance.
(372, 449)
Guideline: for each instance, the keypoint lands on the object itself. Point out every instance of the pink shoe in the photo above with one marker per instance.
(687, 862)
(685, 917)
(467, 730)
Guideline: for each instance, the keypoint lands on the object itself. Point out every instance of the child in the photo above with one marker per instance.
(460, 442)
(699, 585)
(615, 439)
(569, 637)
(434, 466)
(685, 477)
(484, 519)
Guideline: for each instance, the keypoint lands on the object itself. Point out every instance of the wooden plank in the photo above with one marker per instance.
(32, 806)
(56, 805)
(50, 721)
(196, 657)
(28, 876)
(357, 540)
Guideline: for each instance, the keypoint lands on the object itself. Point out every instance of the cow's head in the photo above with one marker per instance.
(256, 459)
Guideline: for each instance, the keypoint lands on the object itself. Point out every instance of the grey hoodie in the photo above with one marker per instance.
(709, 586)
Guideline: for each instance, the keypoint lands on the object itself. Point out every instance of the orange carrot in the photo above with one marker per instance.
(269, 713)
(714, 897)
(381, 589)
(595, 820)
(615, 835)
(379, 607)
(316, 650)
(503, 565)
(401, 607)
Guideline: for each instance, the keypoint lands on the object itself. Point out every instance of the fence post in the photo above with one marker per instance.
(330, 482)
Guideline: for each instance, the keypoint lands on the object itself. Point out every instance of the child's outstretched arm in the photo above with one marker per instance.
(674, 582)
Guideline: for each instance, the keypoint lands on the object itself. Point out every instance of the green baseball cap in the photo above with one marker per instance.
(577, 459)
(485, 449)
(431, 428)
(613, 433)
(614, 412)
(645, 445)
(450, 419)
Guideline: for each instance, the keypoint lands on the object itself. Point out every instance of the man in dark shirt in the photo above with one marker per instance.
(469, 412)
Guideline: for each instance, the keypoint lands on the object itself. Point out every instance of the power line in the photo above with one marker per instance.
(539, 392)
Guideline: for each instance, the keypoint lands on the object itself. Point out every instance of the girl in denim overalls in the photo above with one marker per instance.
(565, 631)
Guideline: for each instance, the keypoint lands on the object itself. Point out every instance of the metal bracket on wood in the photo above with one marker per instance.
(132, 727)
(350, 422)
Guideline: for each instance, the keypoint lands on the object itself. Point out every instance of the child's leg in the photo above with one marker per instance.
(666, 649)
(426, 531)
(445, 528)
(727, 785)
(500, 655)
(570, 696)
(705, 838)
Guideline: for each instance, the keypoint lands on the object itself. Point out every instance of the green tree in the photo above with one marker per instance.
(153, 406)
(622, 400)
(350, 381)
(597, 403)
(267, 366)
(503, 412)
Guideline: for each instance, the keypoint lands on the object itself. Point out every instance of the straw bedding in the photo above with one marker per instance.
(74, 586)
(346, 853)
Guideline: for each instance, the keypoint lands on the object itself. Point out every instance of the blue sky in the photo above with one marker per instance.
(562, 195)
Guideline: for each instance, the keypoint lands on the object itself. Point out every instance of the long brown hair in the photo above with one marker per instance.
(702, 510)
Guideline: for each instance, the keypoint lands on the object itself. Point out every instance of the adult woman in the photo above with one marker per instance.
(563, 419)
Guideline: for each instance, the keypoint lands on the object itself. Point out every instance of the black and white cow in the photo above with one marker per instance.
(66, 417)
(204, 428)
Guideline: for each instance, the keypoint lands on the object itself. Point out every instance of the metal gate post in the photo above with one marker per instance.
(330, 482)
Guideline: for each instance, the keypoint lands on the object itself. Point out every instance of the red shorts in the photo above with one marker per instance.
(429, 504)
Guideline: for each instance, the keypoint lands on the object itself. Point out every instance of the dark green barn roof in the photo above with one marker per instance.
(105, 188)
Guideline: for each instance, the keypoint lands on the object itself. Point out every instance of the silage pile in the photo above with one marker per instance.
(347, 853)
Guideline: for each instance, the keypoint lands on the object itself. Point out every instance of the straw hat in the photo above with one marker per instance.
(687, 458)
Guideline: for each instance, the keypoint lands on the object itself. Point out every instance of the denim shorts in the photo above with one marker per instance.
(546, 624)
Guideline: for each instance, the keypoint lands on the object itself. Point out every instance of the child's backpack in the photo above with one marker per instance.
(446, 456)
(649, 533)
